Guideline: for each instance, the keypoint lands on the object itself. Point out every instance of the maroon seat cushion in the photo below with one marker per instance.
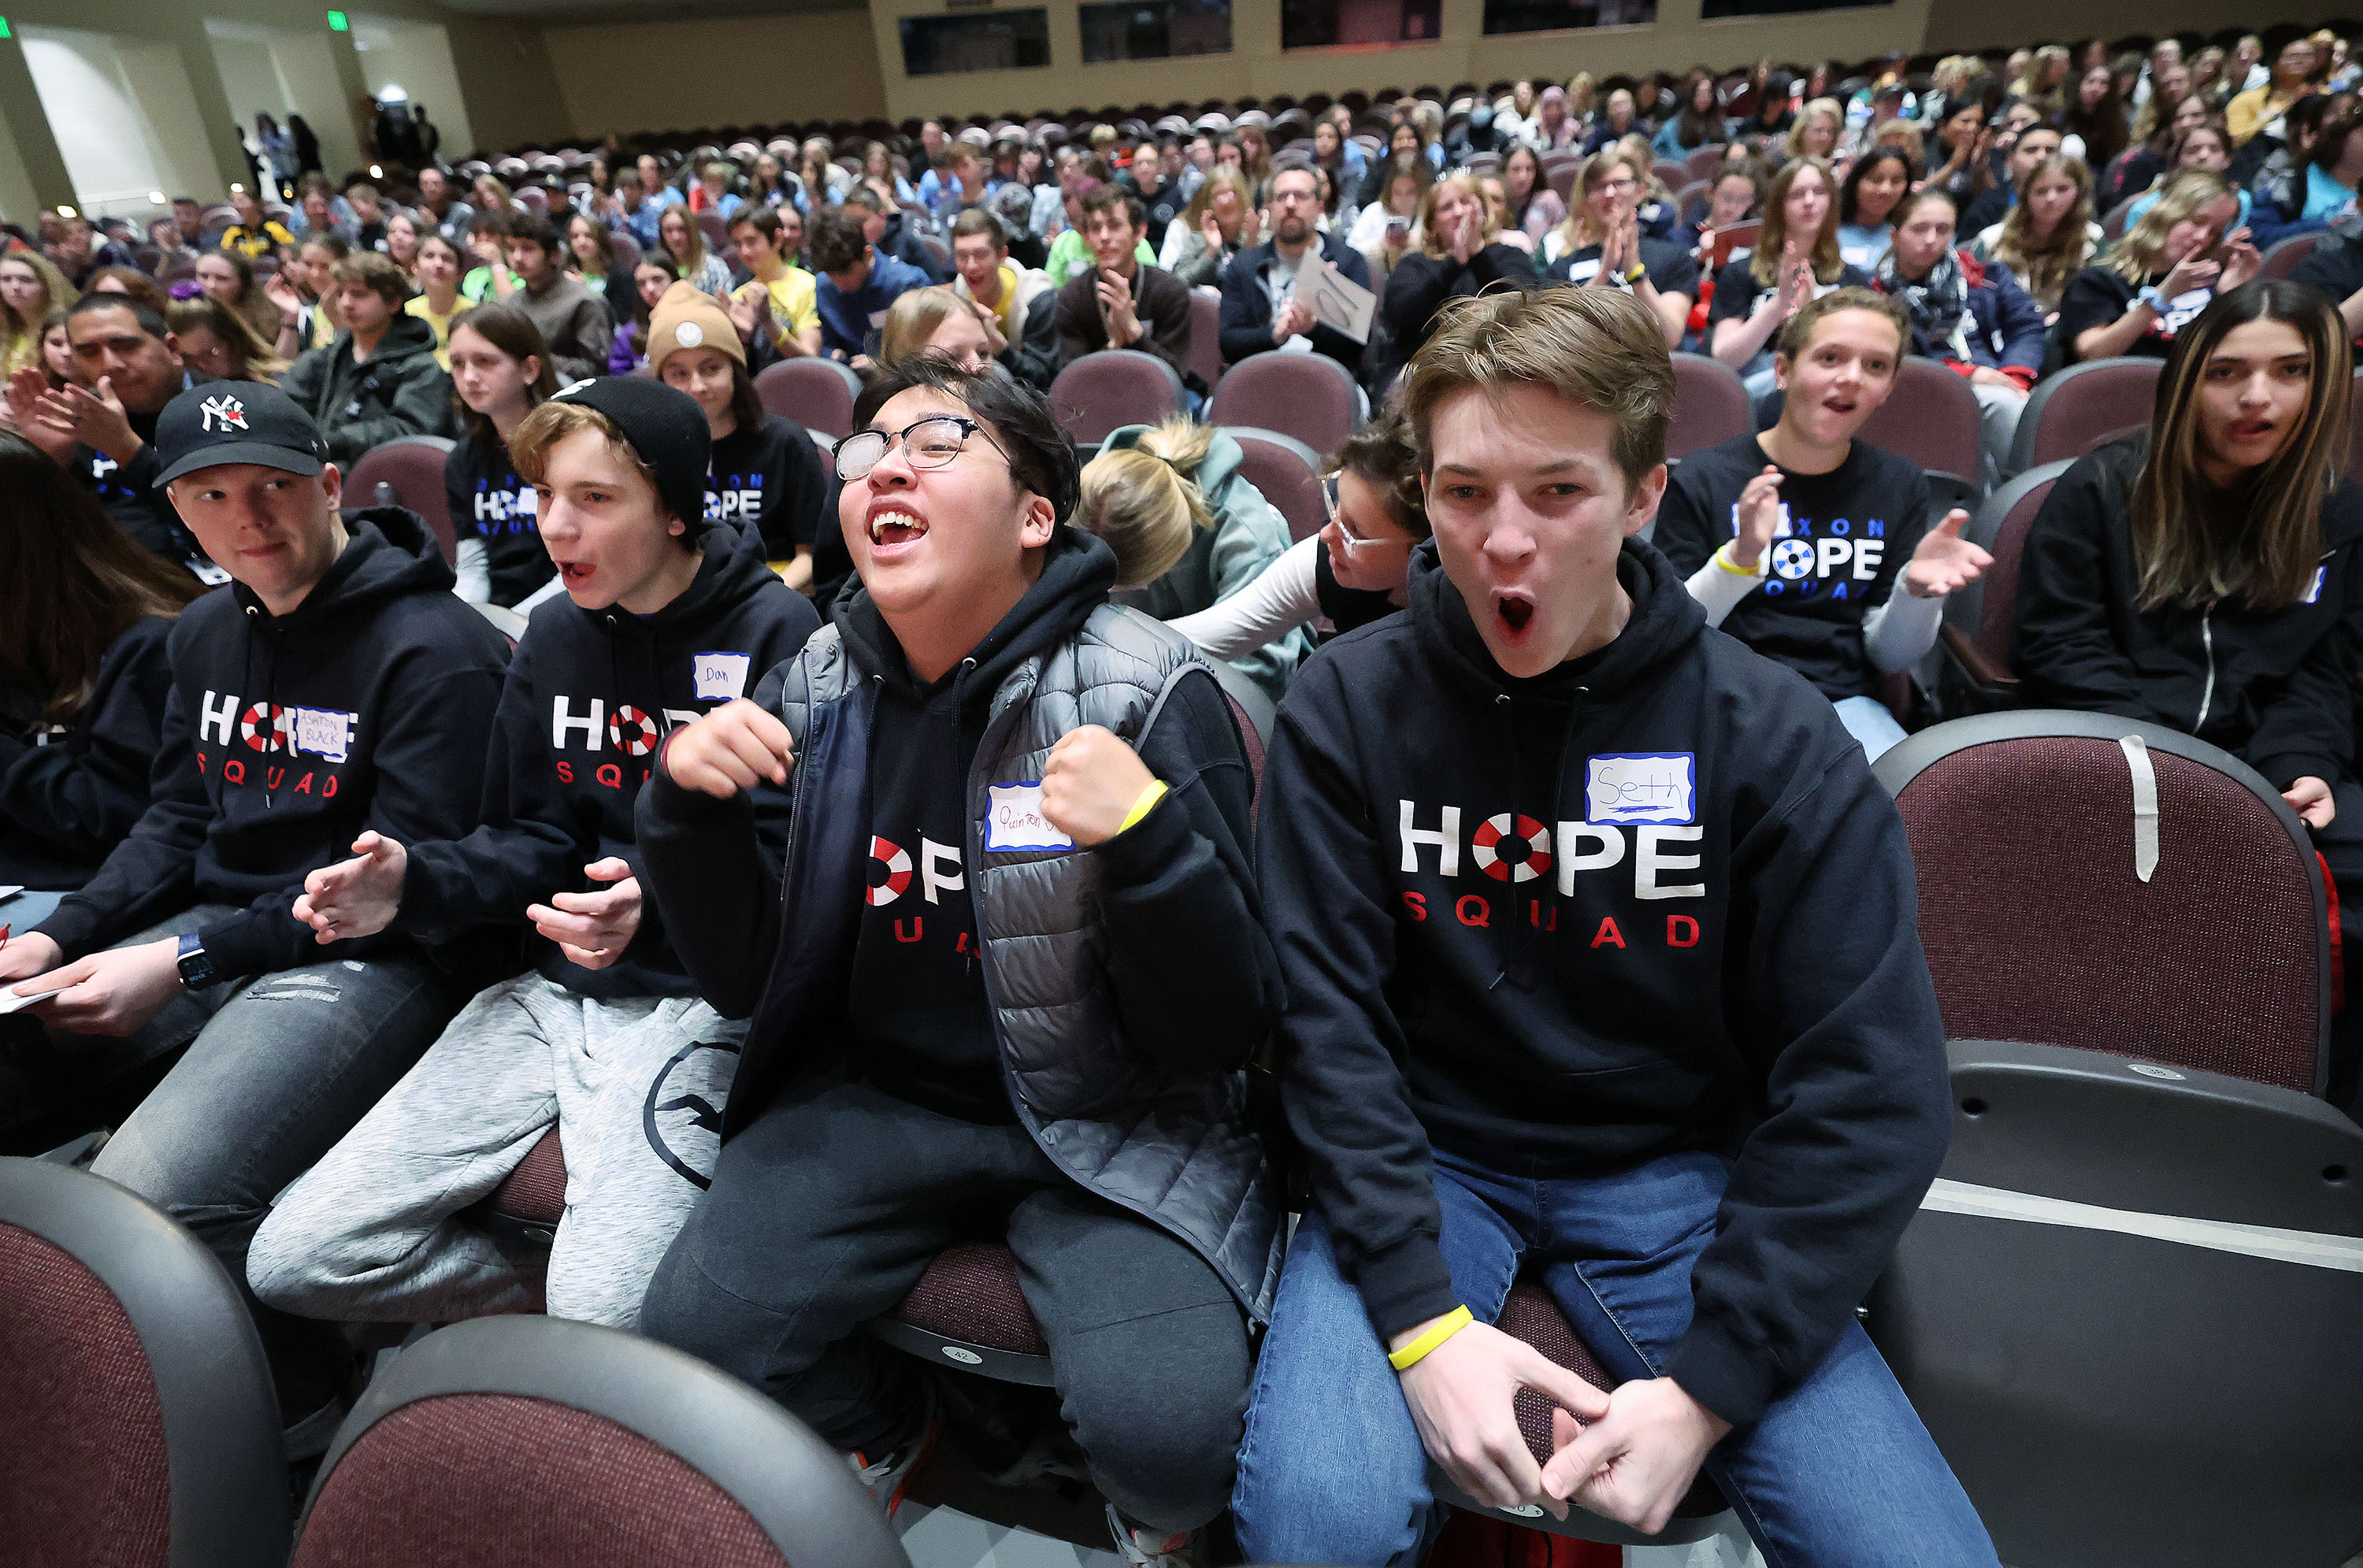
(536, 1190)
(970, 1293)
(2036, 928)
(84, 1478)
(1531, 1315)
(503, 1481)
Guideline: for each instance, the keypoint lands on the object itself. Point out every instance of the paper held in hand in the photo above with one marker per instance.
(10, 1001)
(1338, 301)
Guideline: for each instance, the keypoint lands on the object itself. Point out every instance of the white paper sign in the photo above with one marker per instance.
(720, 677)
(1338, 301)
(1015, 820)
(325, 732)
(1634, 786)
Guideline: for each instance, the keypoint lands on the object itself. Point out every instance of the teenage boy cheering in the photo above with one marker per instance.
(339, 686)
(1810, 544)
(666, 614)
(1643, 1011)
(1008, 987)
(1024, 303)
(777, 307)
(1122, 301)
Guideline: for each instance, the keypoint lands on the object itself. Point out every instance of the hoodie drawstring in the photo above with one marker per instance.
(1549, 819)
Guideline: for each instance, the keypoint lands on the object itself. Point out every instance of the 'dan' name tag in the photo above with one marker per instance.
(1014, 820)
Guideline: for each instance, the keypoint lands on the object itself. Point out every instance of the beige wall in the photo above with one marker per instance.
(751, 71)
(1977, 24)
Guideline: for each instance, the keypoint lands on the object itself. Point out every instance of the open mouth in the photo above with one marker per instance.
(576, 573)
(1515, 611)
(2251, 429)
(890, 527)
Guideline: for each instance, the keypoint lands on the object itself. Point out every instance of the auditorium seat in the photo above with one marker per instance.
(2125, 1309)
(2070, 408)
(1288, 472)
(137, 1426)
(1531, 1315)
(1931, 420)
(1703, 162)
(2283, 258)
(1710, 406)
(1114, 387)
(1206, 334)
(817, 394)
(524, 1441)
(408, 471)
(1976, 630)
(1309, 396)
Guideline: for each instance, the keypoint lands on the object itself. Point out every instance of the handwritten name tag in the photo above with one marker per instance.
(1628, 787)
(1017, 821)
(325, 732)
(720, 677)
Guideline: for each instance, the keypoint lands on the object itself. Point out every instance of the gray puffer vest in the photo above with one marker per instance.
(1182, 1151)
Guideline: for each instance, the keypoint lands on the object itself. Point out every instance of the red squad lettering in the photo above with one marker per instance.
(611, 776)
(1608, 933)
(1686, 927)
(1483, 917)
(1417, 904)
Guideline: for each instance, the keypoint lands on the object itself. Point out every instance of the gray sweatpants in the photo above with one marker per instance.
(371, 1233)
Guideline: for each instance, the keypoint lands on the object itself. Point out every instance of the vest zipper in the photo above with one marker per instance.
(2207, 641)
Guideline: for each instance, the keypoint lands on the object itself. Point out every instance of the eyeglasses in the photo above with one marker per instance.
(930, 444)
(1353, 541)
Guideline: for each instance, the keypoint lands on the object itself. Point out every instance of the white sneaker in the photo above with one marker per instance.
(888, 1476)
(1141, 1547)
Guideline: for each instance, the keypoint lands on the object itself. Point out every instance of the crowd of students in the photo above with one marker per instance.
(850, 876)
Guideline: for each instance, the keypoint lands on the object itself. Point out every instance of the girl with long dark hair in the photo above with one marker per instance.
(84, 613)
(500, 372)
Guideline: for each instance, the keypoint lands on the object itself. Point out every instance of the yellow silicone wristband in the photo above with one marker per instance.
(1140, 808)
(1411, 1355)
(1722, 558)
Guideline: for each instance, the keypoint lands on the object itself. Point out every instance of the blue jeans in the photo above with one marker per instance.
(1869, 721)
(1837, 1474)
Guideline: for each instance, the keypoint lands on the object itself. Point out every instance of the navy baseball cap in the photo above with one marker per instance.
(236, 422)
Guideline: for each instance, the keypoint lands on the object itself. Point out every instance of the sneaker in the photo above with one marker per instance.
(889, 1475)
(1141, 1547)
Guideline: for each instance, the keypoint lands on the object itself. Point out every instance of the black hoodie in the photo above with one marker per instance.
(590, 693)
(67, 800)
(2275, 687)
(1188, 961)
(1721, 952)
(398, 391)
(489, 503)
(366, 708)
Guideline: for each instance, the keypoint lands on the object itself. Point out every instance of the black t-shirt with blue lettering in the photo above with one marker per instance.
(1848, 533)
(490, 504)
(769, 478)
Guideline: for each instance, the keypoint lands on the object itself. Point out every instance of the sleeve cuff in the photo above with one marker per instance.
(2288, 767)
(1721, 1375)
(244, 944)
(1405, 1286)
(1142, 851)
(71, 925)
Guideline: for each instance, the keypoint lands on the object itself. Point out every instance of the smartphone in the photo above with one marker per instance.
(1398, 229)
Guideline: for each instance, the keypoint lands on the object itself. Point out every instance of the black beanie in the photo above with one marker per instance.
(667, 428)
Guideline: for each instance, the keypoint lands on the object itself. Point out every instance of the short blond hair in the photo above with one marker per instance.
(1600, 349)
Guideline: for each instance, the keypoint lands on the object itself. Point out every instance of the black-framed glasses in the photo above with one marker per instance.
(932, 443)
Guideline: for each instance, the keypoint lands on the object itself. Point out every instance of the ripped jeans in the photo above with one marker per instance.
(278, 1068)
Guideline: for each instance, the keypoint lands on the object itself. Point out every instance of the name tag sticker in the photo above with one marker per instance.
(1640, 786)
(1014, 820)
(720, 677)
(325, 732)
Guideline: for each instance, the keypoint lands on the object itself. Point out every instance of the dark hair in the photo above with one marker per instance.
(746, 403)
(764, 221)
(150, 321)
(865, 198)
(136, 283)
(71, 581)
(1105, 197)
(376, 274)
(1018, 415)
(2330, 137)
(535, 229)
(329, 240)
(508, 328)
(835, 241)
(1384, 455)
(1863, 166)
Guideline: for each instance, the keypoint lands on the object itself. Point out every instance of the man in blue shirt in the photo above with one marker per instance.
(856, 284)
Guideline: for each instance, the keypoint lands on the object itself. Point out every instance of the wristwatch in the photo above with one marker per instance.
(196, 969)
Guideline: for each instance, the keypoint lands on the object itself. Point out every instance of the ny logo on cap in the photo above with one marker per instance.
(228, 409)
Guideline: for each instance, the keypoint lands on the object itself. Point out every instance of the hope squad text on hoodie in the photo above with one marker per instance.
(590, 695)
(287, 737)
(1651, 902)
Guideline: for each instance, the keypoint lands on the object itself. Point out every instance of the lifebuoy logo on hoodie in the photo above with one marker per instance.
(250, 735)
(1639, 826)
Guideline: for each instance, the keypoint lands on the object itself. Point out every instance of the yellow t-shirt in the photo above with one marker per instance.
(417, 305)
(795, 300)
(1008, 298)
